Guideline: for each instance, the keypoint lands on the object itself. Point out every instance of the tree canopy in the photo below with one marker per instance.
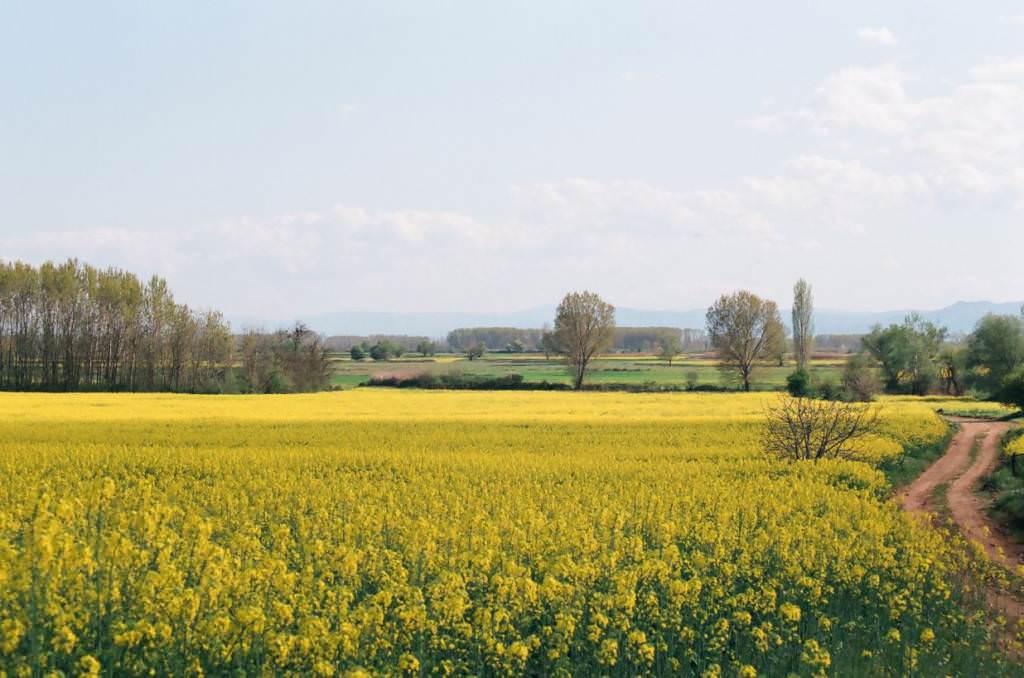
(743, 329)
(584, 326)
(906, 353)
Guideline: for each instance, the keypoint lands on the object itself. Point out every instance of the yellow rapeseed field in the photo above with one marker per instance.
(1015, 446)
(451, 533)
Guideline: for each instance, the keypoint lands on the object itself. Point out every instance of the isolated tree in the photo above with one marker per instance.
(357, 352)
(906, 353)
(426, 348)
(476, 350)
(584, 326)
(994, 349)
(803, 322)
(741, 327)
(669, 347)
(809, 429)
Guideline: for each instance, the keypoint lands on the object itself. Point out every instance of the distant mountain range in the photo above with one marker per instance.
(958, 317)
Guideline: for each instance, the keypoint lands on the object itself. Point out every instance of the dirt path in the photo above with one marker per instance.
(961, 476)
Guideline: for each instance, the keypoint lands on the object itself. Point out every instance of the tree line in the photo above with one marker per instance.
(71, 327)
(408, 343)
(747, 332)
(624, 339)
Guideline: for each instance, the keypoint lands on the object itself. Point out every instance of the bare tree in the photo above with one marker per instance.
(584, 326)
(742, 328)
(803, 322)
(801, 429)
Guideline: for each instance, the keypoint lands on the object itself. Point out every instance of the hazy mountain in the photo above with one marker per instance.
(958, 317)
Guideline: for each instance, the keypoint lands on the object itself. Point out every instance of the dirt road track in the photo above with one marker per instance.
(960, 475)
(956, 470)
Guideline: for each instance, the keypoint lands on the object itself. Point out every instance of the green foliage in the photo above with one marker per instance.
(463, 382)
(828, 389)
(385, 350)
(277, 382)
(902, 470)
(907, 354)
(798, 383)
(1006, 487)
(357, 352)
(1011, 391)
(994, 350)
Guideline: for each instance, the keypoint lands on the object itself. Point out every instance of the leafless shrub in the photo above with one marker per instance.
(809, 429)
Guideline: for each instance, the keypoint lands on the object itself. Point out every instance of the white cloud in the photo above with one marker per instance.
(965, 140)
(880, 35)
(814, 183)
(871, 157)
(1018, 19)
(873, 98)
(639, 207)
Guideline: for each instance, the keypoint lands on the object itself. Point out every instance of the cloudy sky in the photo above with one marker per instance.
(281, 158)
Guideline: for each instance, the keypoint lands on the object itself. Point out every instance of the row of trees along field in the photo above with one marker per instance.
(915, 357)
(624, 339)
(72, 326)
(747, 332)
(744, 330)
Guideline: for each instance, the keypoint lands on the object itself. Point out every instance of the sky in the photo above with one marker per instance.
(274, 158)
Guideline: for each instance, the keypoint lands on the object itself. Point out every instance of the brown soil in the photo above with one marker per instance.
(967, 510)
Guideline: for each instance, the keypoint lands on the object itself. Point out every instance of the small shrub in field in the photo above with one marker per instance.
(798, 383)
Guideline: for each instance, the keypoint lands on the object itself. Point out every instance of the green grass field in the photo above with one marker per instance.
(631, 369)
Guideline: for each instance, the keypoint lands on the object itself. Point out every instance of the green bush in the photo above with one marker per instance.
(798, 383)
(1012, 390)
